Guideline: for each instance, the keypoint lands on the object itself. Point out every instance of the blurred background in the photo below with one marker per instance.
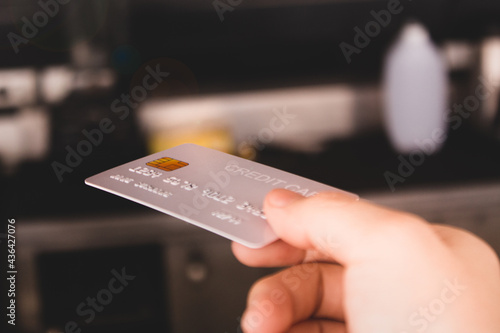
(394, 100)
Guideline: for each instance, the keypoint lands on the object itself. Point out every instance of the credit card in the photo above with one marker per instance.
(215, 191)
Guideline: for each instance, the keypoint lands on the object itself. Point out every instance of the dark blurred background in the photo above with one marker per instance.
(65, 65)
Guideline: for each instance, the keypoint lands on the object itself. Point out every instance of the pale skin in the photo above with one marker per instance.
(361, 268)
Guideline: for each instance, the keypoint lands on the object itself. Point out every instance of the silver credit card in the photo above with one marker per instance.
(216, 191)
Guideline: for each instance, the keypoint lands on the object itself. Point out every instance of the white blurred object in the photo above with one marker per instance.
(490, 71)
(59, 81)
(17, 87)
(313, 115)
(415, 91)
(24, 136)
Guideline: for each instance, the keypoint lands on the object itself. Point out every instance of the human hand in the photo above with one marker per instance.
(362, 268)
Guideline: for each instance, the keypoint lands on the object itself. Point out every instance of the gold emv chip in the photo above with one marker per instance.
(167, 164)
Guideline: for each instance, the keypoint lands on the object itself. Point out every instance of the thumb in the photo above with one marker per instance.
(339, 225)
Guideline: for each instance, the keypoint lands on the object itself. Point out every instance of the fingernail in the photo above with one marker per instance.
(281, 198)
(340, 198)
(348, 196)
